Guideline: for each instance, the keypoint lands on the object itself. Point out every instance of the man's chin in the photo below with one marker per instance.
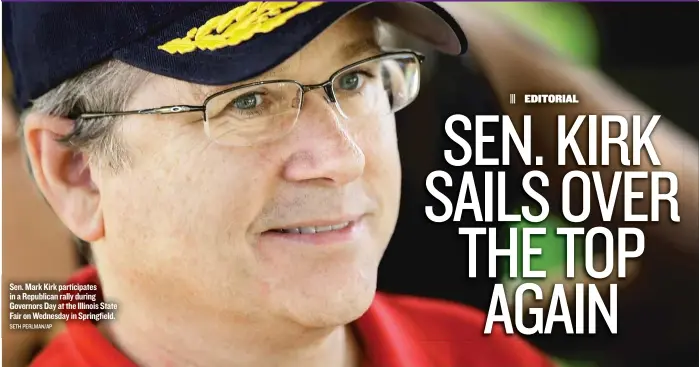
(340, 308)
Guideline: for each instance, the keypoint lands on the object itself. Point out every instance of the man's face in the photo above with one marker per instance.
(193, 225)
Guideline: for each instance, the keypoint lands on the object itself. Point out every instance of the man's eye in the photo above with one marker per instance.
(248, 101)
(351, 81)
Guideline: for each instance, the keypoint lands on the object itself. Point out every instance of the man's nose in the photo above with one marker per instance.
(325, 148)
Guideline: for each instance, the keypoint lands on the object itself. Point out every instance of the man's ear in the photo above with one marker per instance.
(63, 175)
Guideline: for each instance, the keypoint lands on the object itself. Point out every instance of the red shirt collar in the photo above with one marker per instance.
(381, 333)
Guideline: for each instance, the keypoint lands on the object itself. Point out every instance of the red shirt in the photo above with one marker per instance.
(396, 331)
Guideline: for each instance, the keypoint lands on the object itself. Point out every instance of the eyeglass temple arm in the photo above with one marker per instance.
(166, 110)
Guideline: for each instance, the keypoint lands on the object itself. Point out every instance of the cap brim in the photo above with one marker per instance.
(264, 51)
(427, 21)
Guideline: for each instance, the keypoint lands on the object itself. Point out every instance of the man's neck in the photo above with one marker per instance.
(211, 343)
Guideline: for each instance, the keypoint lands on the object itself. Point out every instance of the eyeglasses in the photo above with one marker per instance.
(264, 111)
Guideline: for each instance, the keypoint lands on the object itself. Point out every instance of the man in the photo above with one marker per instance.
(255, 223)
(256, 241)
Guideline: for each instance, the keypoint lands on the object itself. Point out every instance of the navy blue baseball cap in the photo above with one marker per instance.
(204, 43)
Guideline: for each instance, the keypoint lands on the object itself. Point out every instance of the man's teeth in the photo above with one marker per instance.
(312, 230)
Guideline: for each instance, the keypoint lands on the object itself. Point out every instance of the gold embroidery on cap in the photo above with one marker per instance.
(238, 26)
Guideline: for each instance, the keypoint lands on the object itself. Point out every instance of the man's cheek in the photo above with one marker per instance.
(382, 156)
(377, 137)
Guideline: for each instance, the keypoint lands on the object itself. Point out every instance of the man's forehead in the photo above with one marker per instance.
(336, 49)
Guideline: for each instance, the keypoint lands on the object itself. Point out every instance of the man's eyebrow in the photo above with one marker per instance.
(202, 92)
(359, 47)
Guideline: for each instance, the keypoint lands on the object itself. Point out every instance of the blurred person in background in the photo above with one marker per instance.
(663, 283)
(36, 246)
(662, 287)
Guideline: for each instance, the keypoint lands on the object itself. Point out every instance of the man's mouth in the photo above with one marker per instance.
(333, 232)
(313, 229)
(336, 231)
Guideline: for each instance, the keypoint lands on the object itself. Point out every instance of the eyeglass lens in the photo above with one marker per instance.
(265, 112)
